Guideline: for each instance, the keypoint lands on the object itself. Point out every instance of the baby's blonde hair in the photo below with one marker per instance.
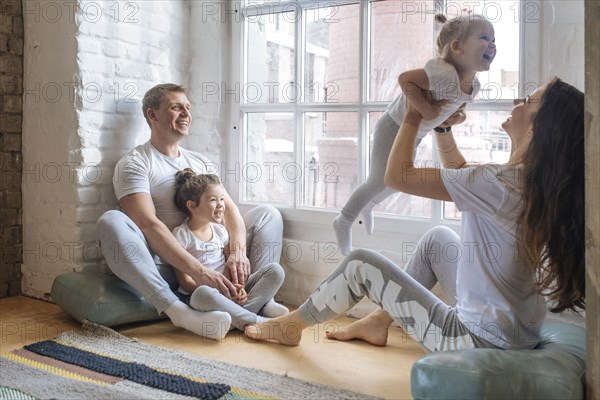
(457, 28)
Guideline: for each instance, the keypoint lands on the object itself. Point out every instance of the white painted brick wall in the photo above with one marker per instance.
(563, 42)
(104, 58)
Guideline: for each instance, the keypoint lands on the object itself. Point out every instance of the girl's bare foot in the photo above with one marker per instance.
(372, 329)
(286, 330)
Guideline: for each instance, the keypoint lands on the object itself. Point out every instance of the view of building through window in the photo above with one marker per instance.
(312, 147)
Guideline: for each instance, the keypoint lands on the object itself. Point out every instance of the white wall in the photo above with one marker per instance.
(102, 57)
(562, 41)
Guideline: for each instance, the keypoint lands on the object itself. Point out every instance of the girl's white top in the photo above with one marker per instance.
(443, 85)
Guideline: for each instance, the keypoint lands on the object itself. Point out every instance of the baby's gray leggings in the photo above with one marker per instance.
(373, 189)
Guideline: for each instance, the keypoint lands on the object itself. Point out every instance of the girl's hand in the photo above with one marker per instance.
(242, 296)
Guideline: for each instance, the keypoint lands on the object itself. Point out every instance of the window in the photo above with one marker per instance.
(316, 76)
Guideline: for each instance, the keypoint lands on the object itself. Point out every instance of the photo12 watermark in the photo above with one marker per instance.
(88, 11)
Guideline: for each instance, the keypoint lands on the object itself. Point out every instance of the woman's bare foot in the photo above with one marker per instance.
(372, 329)
(285, 330)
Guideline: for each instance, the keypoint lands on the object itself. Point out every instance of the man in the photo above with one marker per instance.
(137, 243)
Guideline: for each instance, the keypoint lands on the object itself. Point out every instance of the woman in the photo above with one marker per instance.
(522, 238)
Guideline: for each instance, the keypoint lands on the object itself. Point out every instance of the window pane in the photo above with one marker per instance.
(270, 59)
(481, 140)
(400, 41)
(269, 172)
(401, 203)
(332, 59)
(331, 158)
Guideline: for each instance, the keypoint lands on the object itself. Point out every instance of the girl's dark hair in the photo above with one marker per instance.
(190, 186)
(552, 222)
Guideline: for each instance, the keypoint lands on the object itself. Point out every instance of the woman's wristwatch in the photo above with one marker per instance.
(439, 129)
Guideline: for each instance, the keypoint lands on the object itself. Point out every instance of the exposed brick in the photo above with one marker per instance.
(10, 123)
(5, 161)
(6, 23)
(14, 288)
(12, 253)
(11, 142)
(7, 273)
(17, 271)
(15, 45)
(17, 26)
(3, 42)
(3, 290)
(8, 84)
(12, 104)
(12, 235)
(11, 90)
(11, 7)
(13, 199)
(8, 218)
(10, 180)
(10, 162)
(11, 64)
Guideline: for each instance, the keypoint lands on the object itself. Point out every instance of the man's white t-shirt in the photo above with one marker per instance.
(210, 253)
(443, 84)
(147, 170)
(496, 293)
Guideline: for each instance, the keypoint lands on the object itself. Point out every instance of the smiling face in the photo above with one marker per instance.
(211, 207)
(519, 126)
(172, 119)
(477, 51)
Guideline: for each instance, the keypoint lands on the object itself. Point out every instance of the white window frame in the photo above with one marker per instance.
(310, 224)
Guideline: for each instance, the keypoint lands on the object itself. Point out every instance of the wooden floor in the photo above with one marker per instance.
(357, 366)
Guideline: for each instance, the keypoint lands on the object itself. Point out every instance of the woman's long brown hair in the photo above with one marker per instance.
(552, 222)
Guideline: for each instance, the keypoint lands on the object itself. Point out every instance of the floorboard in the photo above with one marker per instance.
(357, 366)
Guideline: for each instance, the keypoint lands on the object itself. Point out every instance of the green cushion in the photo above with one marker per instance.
(101, 298)
(553, 370)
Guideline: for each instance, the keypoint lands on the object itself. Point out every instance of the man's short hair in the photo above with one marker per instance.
(156, 95)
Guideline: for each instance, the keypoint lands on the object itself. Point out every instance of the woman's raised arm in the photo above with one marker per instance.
(401, 173)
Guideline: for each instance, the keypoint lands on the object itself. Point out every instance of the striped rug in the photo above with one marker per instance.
(101, 363)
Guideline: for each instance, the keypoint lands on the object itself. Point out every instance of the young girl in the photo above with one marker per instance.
(465, 46)
(202, 234)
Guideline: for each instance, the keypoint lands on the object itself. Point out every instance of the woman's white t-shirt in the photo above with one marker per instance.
(496, 293)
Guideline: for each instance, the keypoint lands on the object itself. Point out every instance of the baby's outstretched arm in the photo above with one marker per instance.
(415, 85)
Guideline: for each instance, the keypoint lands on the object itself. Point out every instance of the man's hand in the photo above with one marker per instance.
(457, 118)
(217, 280)
(238, 267)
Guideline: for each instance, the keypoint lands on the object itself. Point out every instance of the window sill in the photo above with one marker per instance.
(392, 233)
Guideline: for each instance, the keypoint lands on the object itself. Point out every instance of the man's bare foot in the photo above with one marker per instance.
(286, 330)
(372, 329)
